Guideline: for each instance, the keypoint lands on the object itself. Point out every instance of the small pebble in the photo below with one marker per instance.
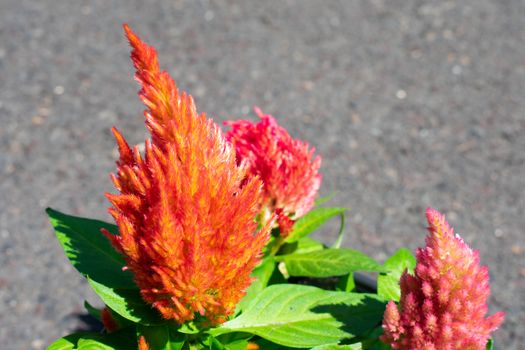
(416, 53)
(401, 94)
(9, 169)
(448, 34)
(356, 119)
(44, 111)
(465, 60)
(517, 250)
(58, 90)
(431, 36)
(37, 120)
(308, 85)
(209, 15)
(457, 70)
(4, 234)
(37, 344)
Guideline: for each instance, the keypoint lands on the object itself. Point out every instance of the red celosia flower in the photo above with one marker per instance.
(185, 211)
(443, 306)
(109, 322)
(286, 166)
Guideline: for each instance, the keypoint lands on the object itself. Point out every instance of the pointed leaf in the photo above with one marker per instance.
(92, 311)
(214, 344)
(127, 303)
(89, 251)
(328, 263)
(93, 344)
(305, 316)
(388, 282)
(307, 244)
(235, 341)
(321, 200)
(162, 337)
(262, 274)
(311, 221)
(66, 343)
(189, 328)
(122, 339)
(339, 347)
(304, 245)
(346, 283)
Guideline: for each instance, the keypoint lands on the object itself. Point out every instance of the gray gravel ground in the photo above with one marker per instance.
(410, 104)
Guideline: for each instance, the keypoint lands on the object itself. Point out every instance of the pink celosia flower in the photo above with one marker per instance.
(443, 306)
(287, 166)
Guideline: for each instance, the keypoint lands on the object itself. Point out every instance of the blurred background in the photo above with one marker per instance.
(410, 104)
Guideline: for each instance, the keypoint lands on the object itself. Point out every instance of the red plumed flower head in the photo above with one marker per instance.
(442, 306)
(186, 209)
(287, 167)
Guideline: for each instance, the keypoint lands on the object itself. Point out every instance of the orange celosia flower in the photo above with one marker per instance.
(185, 211)
(443, 306)
(143, 345)
(286, 166)
(252, 346)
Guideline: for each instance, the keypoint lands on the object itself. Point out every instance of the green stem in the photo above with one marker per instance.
(279, 241)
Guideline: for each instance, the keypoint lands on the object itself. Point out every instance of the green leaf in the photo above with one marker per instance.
(339, 347)
(93, 311)
(346, 283)
(262, 274)
(214, 344)
(127, 303)
(307, 244)
(162, 337)
(121, 340)
(328, 263)
(189, 328)
(311, 221)
(268, 345)
(235, 341)
(341, 233)
(490, 344)
(304, 245)
(401, 260)
(388, 283)
(370, 340)
(304, 316)
(322, 200)
(92, 344)
(89, 251)
(66, 343)
(378, 345)
(237, 345)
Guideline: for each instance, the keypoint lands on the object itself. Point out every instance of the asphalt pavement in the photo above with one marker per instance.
(409, 103)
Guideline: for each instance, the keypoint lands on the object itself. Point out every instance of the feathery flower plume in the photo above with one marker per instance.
(186, 209)
(143, 345)
(443, 306)
(287, 167)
